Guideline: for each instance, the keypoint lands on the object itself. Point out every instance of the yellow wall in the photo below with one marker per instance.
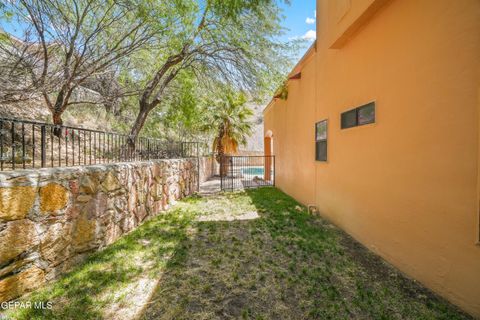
(408, 185)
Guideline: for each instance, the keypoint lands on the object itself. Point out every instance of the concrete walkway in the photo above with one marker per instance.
(211, 186)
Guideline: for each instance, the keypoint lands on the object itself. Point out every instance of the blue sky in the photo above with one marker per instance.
(299, 20)
(296, 15)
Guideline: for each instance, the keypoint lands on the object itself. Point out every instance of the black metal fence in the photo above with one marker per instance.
(28, 144)
(243, 172)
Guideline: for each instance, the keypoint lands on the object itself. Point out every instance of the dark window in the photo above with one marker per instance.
(349, 119)
(358, 116)
(366, 114)
(321, 141)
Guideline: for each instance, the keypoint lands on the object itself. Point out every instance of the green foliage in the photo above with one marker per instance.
(229, 119)
(4, 37)
(282, 91)
(181, 115)
(184, 108)
(219, 43)
(215, 43)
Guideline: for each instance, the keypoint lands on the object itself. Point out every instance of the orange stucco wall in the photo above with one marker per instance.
(407, 186)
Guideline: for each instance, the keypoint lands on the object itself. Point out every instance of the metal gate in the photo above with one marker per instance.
(242, 172)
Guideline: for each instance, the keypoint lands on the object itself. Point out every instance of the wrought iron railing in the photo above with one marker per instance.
(242, 172)
(26, 144)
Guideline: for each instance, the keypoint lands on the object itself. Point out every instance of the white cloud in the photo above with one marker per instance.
(310, 35)
(315, 14)
(310, 20)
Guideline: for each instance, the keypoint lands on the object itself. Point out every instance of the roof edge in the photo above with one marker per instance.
(296, 69)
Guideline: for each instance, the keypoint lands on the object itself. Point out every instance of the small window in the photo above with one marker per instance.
(321, 141)
(349, 119)
(366, 114)
(358, 116)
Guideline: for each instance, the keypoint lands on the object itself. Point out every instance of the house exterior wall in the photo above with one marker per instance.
(406, 186)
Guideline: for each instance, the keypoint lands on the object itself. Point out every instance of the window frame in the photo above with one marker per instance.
(357, 115)
(325, 140)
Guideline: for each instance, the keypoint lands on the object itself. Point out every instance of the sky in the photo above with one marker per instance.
(300, 19)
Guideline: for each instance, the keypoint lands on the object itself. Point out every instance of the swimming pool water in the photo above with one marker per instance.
(253, 171)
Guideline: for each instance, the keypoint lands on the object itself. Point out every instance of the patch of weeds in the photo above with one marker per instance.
(246, 313)
(216, 262)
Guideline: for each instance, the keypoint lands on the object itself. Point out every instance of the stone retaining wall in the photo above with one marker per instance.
(50, 219)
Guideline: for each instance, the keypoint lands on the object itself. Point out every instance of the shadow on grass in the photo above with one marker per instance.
(286, 264)
(283, 264)
(94, 286)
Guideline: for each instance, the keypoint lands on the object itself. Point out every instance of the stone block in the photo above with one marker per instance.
(17, 237)
(18, 264)
(95, 206)
(73, 186)
(88, 185)
(17, 284)
(111, 183)
(73, 212)
(83, 233)
(55, 242)
(16, 202)
(53, 197)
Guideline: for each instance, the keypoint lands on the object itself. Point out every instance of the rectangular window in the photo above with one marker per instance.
(321, 141)
(358, 116)
(349, 119)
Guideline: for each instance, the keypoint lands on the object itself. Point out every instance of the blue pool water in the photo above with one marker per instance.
(258, 171)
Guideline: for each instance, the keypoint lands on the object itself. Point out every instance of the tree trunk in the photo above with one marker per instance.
(57, 111)
(221, 158)
(57, 121)
(139, 121)
(155, 99)
(57, 118)
(145, 109)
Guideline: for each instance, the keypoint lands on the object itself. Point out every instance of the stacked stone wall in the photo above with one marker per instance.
(51, 219)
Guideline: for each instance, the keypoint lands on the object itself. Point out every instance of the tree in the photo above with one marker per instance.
(219, 41)
(64, 43)
(182, 111)
(230, 119)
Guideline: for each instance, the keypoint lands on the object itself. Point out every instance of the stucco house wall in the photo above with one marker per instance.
(406, 186)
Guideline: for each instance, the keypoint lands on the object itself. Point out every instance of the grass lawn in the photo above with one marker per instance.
(251, 255)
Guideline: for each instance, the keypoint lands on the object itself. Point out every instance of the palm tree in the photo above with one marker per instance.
(232, 125)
